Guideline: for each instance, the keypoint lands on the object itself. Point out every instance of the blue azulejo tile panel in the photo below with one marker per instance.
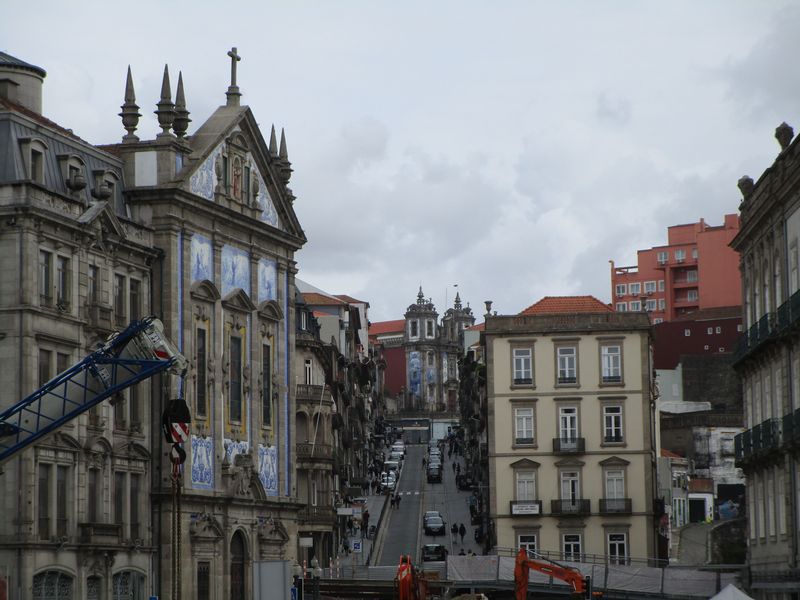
(202, 462)
(268, 468)
(232, 448)
(204, 180)
(202, 258)
(235, 270)
(267, 280)
(268, 212)
(414, 372)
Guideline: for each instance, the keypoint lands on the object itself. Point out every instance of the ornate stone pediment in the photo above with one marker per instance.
(272, 538)
(238, 300)
(102, 224)
(206, 528)
(132, 449)
(205, 290)
(614, 461)
(242, 478)
(271, 310)
(524, 463)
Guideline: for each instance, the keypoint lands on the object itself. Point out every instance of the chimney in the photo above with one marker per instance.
(21, 82)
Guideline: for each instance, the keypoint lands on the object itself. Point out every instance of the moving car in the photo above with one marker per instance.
(434, 552)
(434, 474)
(435, 526)
(388, 481)
(429, 514)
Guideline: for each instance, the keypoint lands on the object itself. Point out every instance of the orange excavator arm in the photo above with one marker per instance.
(523, 564)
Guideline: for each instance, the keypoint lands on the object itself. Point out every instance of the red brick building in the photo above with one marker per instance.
(696, 269)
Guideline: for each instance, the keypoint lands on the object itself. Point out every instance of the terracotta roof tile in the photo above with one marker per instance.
(669, 454)
(478, 327)
(567, 304)
(312, 298)
(383, 327)
(350, 299)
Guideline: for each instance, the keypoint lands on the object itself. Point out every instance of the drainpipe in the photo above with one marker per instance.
(20, 368)
(156, 512)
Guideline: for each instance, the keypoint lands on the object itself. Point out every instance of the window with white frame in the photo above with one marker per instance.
(660, 285)
(45, 278)
(662, 257)
(429, 328)
(617, 548)
(657, 321)
(622, 306)
(687, 332)
(523, 373)
(567, 425)
(662, 304)
(718, 329)
(649, 287)
(611, 363)
(691, 295)
(526, 485)
(635, 306)
(567, 364)
(635, 289)
(680, 255)
(694, 253)
(614, 484)
(527, 541)
(63, 285)
(571, 546)
(308, 372)
(612, 424)
(413, 328)
(570, 487)
(523, 425)
(621, 289)
(691, 276)
(650, 305)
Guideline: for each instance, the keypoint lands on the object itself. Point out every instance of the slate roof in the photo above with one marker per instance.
(567, 304)
(384, 327)
(7, 60)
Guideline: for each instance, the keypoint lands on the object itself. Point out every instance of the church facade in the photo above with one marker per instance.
(200, 230)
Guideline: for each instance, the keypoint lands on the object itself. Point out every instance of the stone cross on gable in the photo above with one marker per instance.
(234, 59)
(233, 90)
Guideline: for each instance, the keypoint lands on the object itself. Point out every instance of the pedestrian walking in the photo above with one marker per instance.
(424, 462)
(454, 466)
(365, 524)
(462, 531)
(398, 500)
(454, 533)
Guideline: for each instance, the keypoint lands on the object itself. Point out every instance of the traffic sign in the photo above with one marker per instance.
(357, 546)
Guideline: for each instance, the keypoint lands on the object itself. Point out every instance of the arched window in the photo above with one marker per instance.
(129, 585)
(237, 566)
(94, 588)
(52, 585)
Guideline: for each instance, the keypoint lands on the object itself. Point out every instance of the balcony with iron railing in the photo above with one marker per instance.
(770, 326)
(569, 445)
(615, 506)
(311, 451)
(312, 394)
(570, 507)
(791, 429)
(317, 515)
(766, 436)
(743, 447)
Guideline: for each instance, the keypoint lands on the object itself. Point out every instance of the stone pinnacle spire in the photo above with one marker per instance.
(284, 165)
(420, 296)
(166, 108)
(457, 304)
(182, 120)
(273, 144)
(130, 111)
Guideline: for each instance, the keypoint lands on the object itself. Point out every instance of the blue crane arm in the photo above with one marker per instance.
(128, 357)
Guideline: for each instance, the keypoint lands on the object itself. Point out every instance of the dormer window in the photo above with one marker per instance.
(73, 172)
(33, 150)
(105, 183)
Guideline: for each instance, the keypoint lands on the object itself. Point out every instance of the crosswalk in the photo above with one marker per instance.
(408, 493)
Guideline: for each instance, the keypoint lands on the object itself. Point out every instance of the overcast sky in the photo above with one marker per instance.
(511, 148)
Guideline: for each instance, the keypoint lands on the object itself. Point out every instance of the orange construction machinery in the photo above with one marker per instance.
(410, 586)
(580, 584)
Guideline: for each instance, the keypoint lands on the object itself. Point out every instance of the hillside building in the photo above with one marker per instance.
(695, 270)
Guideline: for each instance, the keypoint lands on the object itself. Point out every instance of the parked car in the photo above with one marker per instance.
(435, 526)
(434, 474)
(434, 552)
(396, 455)
(429, 514)
(392, 465)
(388, 481)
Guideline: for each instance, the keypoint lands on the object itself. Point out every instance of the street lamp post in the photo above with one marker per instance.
(297, 572)
(316, 573)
